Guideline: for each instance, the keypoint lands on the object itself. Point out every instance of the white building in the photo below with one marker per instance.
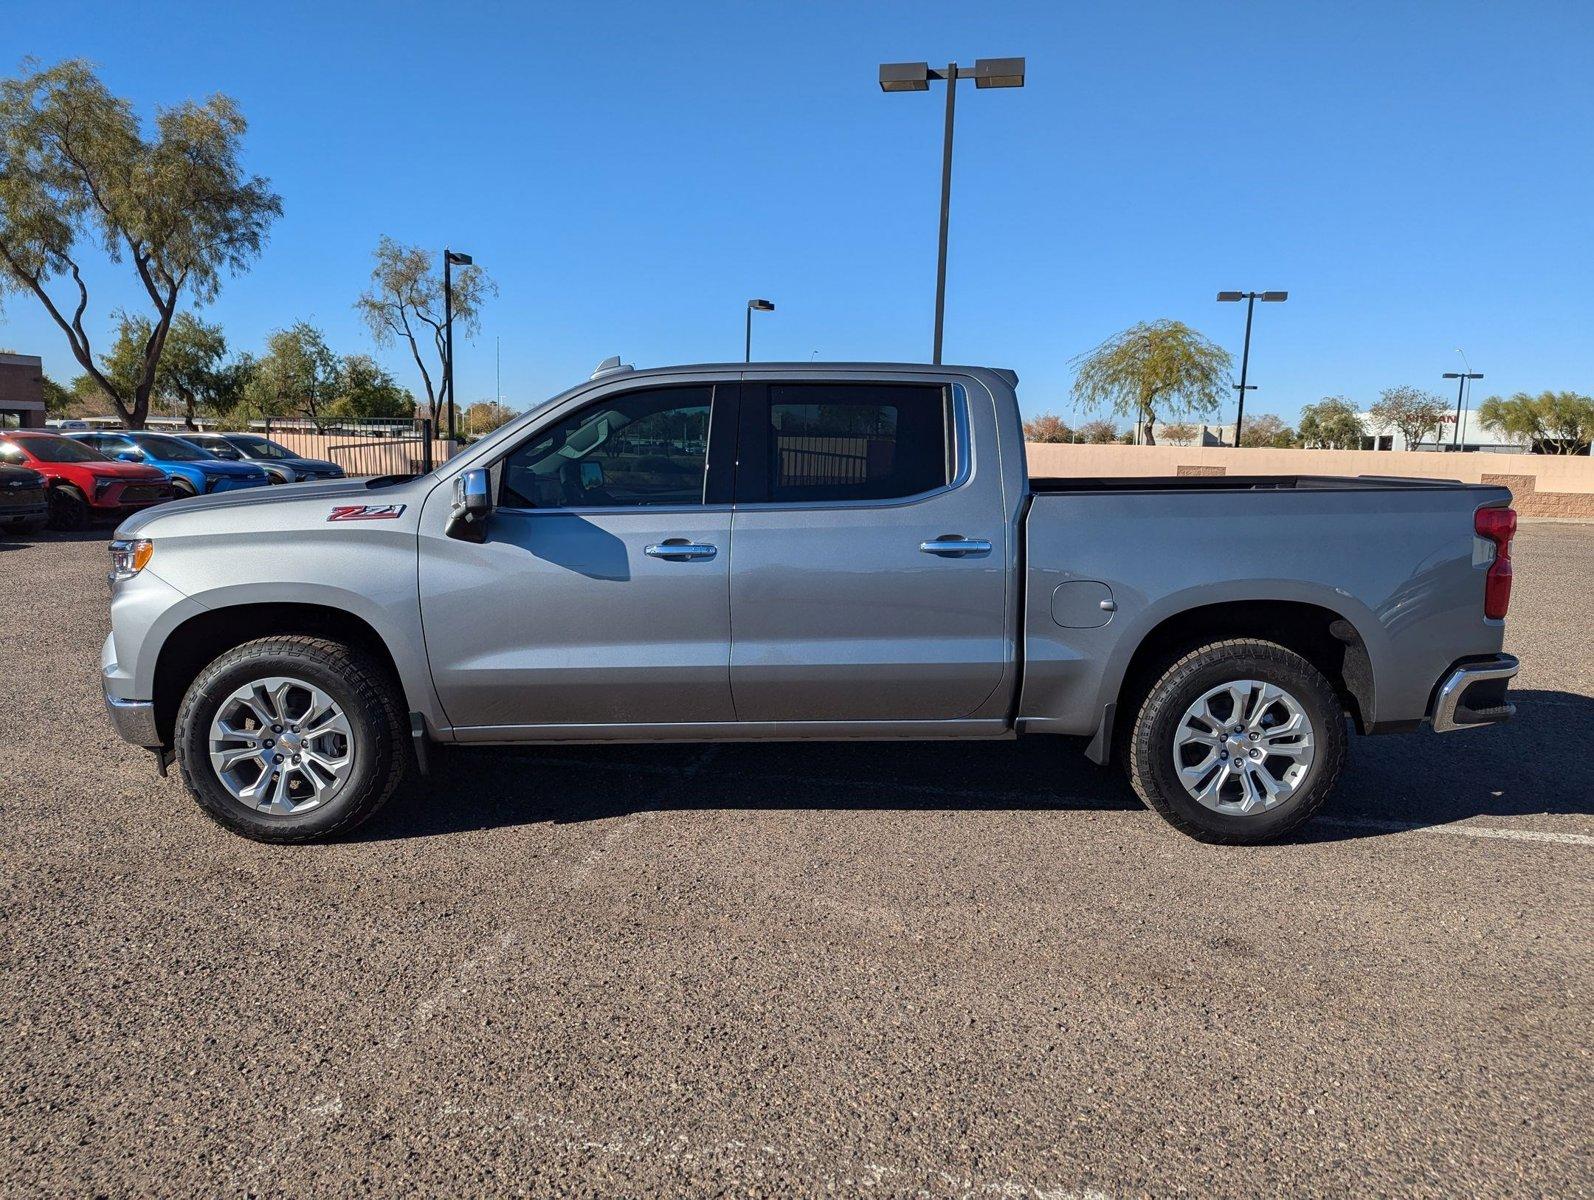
(1475, 436)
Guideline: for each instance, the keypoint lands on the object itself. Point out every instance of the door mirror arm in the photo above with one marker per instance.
(473, 503)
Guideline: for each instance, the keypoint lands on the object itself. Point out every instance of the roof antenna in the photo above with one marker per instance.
(611, 366)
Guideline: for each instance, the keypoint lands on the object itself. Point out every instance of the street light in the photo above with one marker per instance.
(451, 259)
(916, 77)
(1250, 299)
(1461, 378)
(752, 307)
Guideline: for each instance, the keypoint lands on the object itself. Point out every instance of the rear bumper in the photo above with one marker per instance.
(1473, 695)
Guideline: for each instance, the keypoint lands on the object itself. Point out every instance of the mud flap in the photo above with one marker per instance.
(419, 740)
(1100, 749)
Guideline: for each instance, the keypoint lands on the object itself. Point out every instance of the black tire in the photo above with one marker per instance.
(379, 750)
(182, 489)
(1151, 748)
(69, 509)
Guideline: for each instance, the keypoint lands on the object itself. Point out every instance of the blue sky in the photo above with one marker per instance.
(1417, 175)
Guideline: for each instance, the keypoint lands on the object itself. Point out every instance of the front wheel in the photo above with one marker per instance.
(1238, 741)
(69, 509)
(291, 738)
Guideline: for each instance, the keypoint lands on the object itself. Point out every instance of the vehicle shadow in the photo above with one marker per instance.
(1534, 765)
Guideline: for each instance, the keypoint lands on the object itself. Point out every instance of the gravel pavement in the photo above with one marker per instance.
(937, 970)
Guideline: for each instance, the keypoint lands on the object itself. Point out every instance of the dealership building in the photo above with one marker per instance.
(21, 391)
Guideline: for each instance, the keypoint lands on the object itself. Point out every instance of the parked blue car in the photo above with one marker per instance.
(192, 471)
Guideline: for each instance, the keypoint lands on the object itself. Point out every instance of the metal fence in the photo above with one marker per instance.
(374, 447)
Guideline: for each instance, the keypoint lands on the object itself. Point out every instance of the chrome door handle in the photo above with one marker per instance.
(681, 550)
(955, 547)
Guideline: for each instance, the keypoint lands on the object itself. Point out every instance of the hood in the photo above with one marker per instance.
(24, 477)
(272, 506)
(303, 464)
(121, 470)
(227, 469)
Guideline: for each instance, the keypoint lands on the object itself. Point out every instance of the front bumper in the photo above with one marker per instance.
(226, 483)
(133, 720)
(29, 509)
(1473, 695)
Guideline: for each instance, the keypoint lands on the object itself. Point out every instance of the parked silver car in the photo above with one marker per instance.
(279, 462)
(801, 551)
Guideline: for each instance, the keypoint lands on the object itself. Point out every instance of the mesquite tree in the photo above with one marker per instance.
(1163, 365)
(405, 304)
(78, 175)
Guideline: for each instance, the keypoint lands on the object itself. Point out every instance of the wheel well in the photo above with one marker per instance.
(1321, 636)
(199, 640)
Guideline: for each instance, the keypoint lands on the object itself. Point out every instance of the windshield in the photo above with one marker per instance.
(51, 449)
(258, 447)
(169, 448)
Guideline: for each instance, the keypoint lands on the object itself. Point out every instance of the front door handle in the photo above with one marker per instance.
(953, 546)
(681, 550)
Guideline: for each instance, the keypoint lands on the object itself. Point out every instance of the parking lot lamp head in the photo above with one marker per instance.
(752, 307)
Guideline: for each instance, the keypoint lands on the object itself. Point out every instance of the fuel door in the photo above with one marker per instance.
(1082, 604)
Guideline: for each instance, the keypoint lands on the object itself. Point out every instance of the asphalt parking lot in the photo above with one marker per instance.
(798, 969)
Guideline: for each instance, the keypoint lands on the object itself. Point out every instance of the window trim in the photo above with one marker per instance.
(722, 408)
(752, 443)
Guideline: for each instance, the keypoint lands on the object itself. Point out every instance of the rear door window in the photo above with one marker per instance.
(846, 441)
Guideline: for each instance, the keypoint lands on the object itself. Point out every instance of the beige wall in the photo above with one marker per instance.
(369, 456)
(1544, 485)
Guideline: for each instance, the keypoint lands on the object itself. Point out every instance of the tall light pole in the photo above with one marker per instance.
(752, 307)
(451, 259)
(1462, 378)
(1250, 299)
(915, 77)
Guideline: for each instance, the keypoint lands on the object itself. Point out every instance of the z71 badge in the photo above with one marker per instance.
(366, 512)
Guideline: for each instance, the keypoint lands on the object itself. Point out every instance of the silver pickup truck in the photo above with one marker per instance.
(800, 551)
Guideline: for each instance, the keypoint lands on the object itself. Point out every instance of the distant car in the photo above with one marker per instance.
(83, 483)
(282, 464)
(68, 425)
(24, 502)
(191, 470)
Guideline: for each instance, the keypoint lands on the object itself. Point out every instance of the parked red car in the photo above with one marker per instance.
(83, 482)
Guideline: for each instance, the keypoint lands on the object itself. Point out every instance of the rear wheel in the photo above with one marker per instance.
(69, 509)
(291, 738)
(1238, 741)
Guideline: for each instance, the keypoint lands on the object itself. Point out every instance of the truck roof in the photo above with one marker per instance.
(1006, 374)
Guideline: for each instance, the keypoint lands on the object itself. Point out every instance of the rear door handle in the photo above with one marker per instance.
(681, 550)
(952, 546)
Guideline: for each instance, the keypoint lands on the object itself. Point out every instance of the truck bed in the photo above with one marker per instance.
(1239, 483)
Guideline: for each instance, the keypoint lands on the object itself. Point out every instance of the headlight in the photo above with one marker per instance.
(129, 556)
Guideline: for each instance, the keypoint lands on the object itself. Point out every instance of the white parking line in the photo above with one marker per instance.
(1473, 831)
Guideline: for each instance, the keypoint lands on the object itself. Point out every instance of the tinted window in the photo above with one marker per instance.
(259, 447)
(59, 449)
(633, 449)
(169, 448)
(856, 441)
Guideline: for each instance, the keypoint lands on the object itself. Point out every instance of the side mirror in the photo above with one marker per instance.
(467, 518)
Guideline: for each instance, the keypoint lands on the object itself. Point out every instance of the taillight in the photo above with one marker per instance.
(1498, 525)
